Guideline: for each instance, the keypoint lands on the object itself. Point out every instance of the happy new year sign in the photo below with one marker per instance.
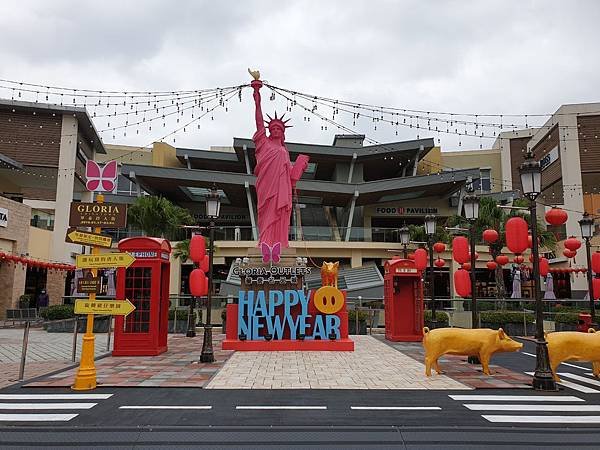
(275, 313)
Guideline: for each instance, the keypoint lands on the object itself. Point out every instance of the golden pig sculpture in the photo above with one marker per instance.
(481, 342)
(574, 346)
(329, 273)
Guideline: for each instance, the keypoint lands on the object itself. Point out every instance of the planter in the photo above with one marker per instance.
(100, 325)
(63, 326)
(182, 326)
(512, 329)
(560, 326)
(439, 324)
(362, 327)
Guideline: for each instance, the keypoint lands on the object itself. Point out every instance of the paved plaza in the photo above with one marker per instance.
(372, 365)
(46, 352)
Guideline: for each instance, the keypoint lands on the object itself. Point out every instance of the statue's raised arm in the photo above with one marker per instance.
(256, 85)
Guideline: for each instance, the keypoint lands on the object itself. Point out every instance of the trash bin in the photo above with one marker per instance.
(584, 322)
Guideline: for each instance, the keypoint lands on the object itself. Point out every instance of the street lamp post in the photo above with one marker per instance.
(213, 205)
(587, 232)
(405, 239)
(531, 181)
(471, 207)
(430, 231)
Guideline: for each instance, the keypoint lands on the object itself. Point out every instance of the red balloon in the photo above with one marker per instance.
(490, 236)
(518, 259)
(204, 264)
(502, 259)
(197, 248)
(596, 262)
(460, 249)
(466, 266)
(462, 283)
(544, 266)
(596, 287)
(439, 247)
(573, 243)
(556, 216)
(516, 234)
(569, 253)
(421, 259)
(491, 265)
(198, 283)
(439, 262)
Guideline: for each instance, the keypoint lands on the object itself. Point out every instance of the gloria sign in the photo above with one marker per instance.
(283, 313)
(102, 215)
(271, 274)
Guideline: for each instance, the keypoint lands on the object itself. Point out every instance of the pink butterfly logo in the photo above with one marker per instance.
(271, 254)
(101, 179)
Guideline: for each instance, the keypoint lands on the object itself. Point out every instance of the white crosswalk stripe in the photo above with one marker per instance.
(575, 386)
(579, 378)
(15, 410)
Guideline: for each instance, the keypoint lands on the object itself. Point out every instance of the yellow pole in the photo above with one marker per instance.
(86, 374)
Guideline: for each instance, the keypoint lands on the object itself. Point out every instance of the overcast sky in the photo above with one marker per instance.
(463, 56)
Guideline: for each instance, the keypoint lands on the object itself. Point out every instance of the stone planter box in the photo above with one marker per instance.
(438, 325)
(512, 329)
(560, 326)
(100, 325)
(63, 326)
(362, 327)
(182, 326)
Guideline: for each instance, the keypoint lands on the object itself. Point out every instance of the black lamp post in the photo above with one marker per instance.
(587, 232)
(213, 205)
(430, 231)
(531, 182)
(405, 239)
(471, 208)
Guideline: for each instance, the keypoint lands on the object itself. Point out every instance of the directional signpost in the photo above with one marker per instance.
(86, 238)
(104, 261)
(113, 307)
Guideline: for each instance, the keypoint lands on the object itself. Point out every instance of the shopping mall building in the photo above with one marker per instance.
(349, 206)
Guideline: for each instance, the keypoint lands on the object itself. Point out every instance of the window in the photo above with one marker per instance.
(484, 183)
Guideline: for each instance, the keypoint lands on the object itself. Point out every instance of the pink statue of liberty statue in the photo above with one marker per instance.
(276, 176)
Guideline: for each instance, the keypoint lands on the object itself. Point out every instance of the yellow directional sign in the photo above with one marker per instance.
(104, 261)
(113, 307)
(86, 238)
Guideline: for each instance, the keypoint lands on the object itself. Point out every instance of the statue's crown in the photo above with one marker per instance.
(277, 122)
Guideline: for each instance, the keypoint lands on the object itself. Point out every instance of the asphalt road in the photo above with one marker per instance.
(412, 419)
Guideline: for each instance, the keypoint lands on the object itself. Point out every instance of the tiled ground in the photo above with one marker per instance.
(178, 367)
(9, 372)
(373, 365)
(457, 368)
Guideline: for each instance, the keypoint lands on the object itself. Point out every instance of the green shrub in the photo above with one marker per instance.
(502, 317)
(363, 316)
(182, 314)
(566, 317)
(57, 312)
(440, 316)
(567, 309)
(486, 306)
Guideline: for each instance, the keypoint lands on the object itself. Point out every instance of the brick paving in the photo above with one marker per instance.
(457, 368)
(373, 365)
(178, 367)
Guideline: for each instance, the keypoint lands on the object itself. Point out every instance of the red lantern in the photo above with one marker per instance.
(596, 287)
(439, 247)
(466, 266)
(518, 259)
(204, 264)
(529, 241)
(516, 234)
(502, 259)
(491, 265)
(420, 258)
(569, 253)
(411, 256)
(573, 243)
(490, 236)
(460, 249)
(556, 216)
(198, 283)
(596, 262)
(439, 263)
(544, 266)
(197, 248)
(462, 283)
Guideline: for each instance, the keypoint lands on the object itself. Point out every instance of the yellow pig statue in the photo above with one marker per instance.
(574, 346)
(481, 342)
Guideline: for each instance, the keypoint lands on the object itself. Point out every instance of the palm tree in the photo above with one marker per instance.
(157, 216)
(181, 250)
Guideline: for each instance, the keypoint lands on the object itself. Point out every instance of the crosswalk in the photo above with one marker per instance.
(45, 407)
(537, 409)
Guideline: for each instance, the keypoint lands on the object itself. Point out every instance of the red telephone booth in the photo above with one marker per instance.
(146, 284)
(403, 292)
